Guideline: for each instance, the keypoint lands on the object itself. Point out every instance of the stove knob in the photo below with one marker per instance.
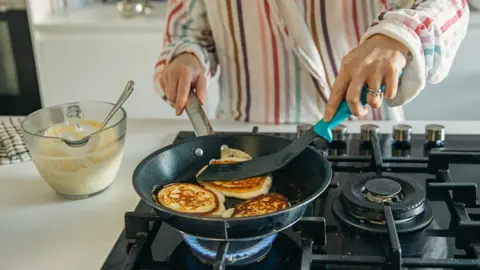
(402, 133)
(434, 134)
(367, 131)
(302, 128)
(339, 133)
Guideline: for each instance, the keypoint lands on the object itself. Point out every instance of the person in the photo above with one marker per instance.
(294, 61)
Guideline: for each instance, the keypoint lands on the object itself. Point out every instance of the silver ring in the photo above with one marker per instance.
(374, 92)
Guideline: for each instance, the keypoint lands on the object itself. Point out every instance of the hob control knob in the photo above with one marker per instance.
(339, 133)
(302, 128)
(402, 133)
(367, 131)
(435, 134)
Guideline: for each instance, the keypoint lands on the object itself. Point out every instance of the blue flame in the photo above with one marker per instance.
(264, 243)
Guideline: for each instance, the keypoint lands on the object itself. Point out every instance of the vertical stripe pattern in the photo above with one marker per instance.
(278, 59)
(266, 67)
(245, 61)
(235, 57)
(326, 38)
(275, 66)
(227, 94)
(286, 62)
(296, 68)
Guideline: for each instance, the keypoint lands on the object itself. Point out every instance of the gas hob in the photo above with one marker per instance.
(396, 201)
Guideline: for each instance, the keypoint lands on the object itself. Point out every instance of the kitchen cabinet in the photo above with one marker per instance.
(89, 66)
(96, 66)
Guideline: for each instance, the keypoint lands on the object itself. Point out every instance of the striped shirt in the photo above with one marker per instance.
(278, 59)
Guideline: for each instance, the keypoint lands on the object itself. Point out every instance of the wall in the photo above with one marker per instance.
(38, 10)
(458, 96)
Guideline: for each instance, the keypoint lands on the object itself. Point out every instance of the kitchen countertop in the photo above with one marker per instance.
(41, 230)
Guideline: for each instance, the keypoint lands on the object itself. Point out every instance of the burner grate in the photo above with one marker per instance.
(142, 227)
(393, 260)
(458, 197)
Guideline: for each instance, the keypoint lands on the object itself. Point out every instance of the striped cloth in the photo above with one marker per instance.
(12, 145)
(279, 59)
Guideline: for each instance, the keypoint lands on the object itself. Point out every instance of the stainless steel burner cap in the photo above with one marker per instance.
(383, 187)
(434, 133)
(302, 128)
(402, 133)
(380, 190)
(339, 133)
(367, 131)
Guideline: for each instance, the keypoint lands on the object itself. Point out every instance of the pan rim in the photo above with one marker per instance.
(328, 178)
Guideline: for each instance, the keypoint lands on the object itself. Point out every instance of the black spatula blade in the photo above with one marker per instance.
(257, 166)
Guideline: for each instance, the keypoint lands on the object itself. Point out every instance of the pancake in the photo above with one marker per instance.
(259, 205)
(192, 199)
(229, 153)
(228, 213)
(241, 189)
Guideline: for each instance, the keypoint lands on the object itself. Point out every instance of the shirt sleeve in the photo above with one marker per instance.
(187, 31)
(432, 30)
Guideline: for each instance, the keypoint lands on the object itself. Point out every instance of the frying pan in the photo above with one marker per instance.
(301, 181)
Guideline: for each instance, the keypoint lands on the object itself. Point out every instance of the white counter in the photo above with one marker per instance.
(41, 230)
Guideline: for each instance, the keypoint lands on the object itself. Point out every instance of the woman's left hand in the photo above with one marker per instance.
(377, 61)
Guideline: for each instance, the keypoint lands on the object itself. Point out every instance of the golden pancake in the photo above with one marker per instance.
(260, 205)
(229, 153)
(190, 198)
(242, 189)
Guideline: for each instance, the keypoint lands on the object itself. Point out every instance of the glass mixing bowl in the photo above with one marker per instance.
(81, 171)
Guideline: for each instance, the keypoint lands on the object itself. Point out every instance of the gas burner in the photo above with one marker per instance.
(282, 254)
(239, 253)
(361, 204)
(382, 190)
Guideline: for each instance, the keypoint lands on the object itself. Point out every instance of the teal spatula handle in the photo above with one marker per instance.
(324, 129)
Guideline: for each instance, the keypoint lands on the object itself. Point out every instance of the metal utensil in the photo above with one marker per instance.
(123, 97)
(266, 164)
(197, 116)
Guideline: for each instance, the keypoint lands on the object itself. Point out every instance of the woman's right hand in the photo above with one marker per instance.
(179, 77)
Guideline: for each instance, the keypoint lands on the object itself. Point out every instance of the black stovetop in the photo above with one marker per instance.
(322, 241)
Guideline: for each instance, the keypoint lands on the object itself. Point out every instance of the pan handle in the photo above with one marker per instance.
(221, 259)
(197, 116)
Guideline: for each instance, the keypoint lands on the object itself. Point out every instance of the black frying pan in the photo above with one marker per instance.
(301, 181)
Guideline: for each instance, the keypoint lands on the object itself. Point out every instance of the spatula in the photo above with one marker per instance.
(269, 163)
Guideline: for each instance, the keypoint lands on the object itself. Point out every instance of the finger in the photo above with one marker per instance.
(391, 82)
(353, 95)
(168, 85)
(374, 83)
(184, 86)
(172, 85)
(162, 81)
(201, 88)
(337, 95)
